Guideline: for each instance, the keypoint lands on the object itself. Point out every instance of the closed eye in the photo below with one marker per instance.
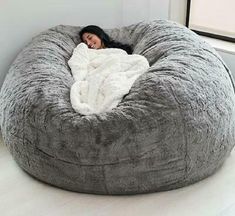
(88, 38)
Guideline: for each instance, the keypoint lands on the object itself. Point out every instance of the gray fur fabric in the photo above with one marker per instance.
(175, 127)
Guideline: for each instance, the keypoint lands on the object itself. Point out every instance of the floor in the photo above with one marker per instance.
(21, 195)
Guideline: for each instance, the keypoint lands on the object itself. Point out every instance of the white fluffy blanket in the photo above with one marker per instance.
(102, 77)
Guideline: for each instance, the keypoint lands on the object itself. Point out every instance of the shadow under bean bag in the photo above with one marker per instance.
(175, 127)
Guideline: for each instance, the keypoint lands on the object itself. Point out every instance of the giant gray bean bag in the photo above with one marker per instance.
(174, 128)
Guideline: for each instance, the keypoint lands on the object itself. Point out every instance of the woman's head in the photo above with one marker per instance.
(94, 37)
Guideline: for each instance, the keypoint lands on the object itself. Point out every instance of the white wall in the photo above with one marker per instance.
(229, 59)
(20, 20)
(177, 11)
(135, 10)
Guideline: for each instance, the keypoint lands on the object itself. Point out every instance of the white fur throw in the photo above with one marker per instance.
(102, 77)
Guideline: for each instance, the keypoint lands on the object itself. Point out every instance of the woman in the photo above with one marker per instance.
(96, 38)
(102, 76)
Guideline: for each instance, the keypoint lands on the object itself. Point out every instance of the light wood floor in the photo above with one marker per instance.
(21, 195)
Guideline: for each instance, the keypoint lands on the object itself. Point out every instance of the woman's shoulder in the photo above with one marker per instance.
(126, 47)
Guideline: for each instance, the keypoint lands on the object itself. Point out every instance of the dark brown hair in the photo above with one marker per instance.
(104, 37)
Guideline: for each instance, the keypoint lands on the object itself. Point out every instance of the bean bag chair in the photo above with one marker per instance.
(174, 128)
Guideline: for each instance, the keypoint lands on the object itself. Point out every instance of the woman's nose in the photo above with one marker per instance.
(89, 43)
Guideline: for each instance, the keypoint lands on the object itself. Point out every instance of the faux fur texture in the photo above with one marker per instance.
(175, 127)
(102, 77)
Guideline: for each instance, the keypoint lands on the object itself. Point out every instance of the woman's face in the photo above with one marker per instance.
(92, 41)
